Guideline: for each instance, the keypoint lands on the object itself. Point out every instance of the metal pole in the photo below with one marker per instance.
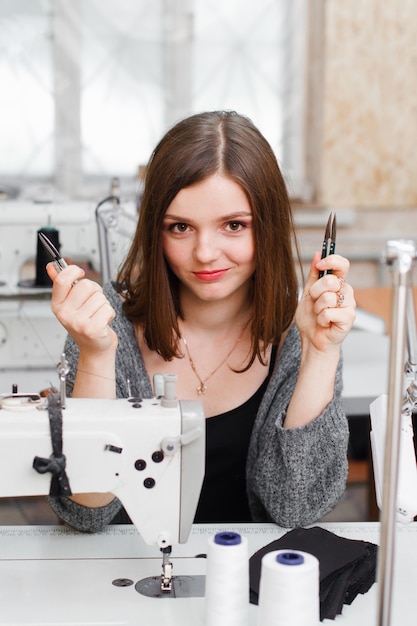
(400, 255)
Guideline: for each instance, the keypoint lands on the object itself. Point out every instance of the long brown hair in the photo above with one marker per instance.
(194, 149)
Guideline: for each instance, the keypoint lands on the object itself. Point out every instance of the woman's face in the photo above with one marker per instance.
(208, 239)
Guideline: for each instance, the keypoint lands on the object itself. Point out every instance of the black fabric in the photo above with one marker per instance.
(347, 566)
(56, 463)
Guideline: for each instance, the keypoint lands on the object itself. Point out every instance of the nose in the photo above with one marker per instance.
(206, 248)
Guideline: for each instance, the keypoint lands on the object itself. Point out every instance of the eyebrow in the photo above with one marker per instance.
(223, 218)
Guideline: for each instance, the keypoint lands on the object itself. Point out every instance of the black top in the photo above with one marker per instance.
(227, 442)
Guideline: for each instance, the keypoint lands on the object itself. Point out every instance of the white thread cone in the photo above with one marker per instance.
(289, 589)
(227, 581)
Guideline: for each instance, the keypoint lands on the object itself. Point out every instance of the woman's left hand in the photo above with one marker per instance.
(326, 311)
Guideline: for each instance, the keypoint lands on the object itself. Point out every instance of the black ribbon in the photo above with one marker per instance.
(56, 463)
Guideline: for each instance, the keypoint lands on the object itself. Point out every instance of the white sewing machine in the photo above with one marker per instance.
(403, 381)
(30, 336)
(149, 453)
(19, 223)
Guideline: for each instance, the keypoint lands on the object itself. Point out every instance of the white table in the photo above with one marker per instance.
(365, 370)
(52, 576)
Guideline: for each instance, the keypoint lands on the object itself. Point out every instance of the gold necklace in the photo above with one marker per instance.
(202, 387)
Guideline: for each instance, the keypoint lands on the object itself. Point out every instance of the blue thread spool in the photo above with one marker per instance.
(227, 539)
(290, 558)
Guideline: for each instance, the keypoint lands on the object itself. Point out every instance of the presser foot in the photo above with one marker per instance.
(181, 587)
(166, 576)
(169, 586)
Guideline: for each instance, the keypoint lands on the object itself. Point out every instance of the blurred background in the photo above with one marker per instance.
(87, 88)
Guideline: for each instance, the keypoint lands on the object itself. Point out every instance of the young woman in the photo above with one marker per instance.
(209, 292)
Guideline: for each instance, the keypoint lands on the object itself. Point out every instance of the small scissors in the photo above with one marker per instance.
(329, 243)
(57, 259)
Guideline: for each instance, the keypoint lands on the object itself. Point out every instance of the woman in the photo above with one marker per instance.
(209, 292)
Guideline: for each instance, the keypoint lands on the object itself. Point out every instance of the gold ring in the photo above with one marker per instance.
(340, 298)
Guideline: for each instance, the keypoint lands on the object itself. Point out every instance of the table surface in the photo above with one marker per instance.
(51, 575)
(365, 370)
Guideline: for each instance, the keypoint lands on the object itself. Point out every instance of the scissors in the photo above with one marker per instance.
(57, 259)
(329, 243)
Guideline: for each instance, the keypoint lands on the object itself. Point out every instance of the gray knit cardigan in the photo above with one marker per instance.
(294, 476)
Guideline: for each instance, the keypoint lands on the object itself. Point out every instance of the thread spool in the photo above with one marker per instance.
(42, 257)
(289, 592)
(227, 580)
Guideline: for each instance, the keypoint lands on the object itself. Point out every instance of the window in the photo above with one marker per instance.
(89, 86)
(26, 94)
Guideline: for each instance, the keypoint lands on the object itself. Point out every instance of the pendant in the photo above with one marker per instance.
(201, 389)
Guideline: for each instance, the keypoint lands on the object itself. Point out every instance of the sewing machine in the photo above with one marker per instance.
(98, 237)
(393, 453)
(19, 223)
(401, 254)
(147, 452)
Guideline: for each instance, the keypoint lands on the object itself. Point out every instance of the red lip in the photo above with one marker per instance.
(210, 276)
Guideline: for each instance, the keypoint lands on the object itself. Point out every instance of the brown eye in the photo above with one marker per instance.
(235, 227)
(179, 228)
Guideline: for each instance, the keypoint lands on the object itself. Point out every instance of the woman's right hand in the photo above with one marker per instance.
(82, 308)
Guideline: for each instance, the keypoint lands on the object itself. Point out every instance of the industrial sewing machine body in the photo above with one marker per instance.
(148, 452)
